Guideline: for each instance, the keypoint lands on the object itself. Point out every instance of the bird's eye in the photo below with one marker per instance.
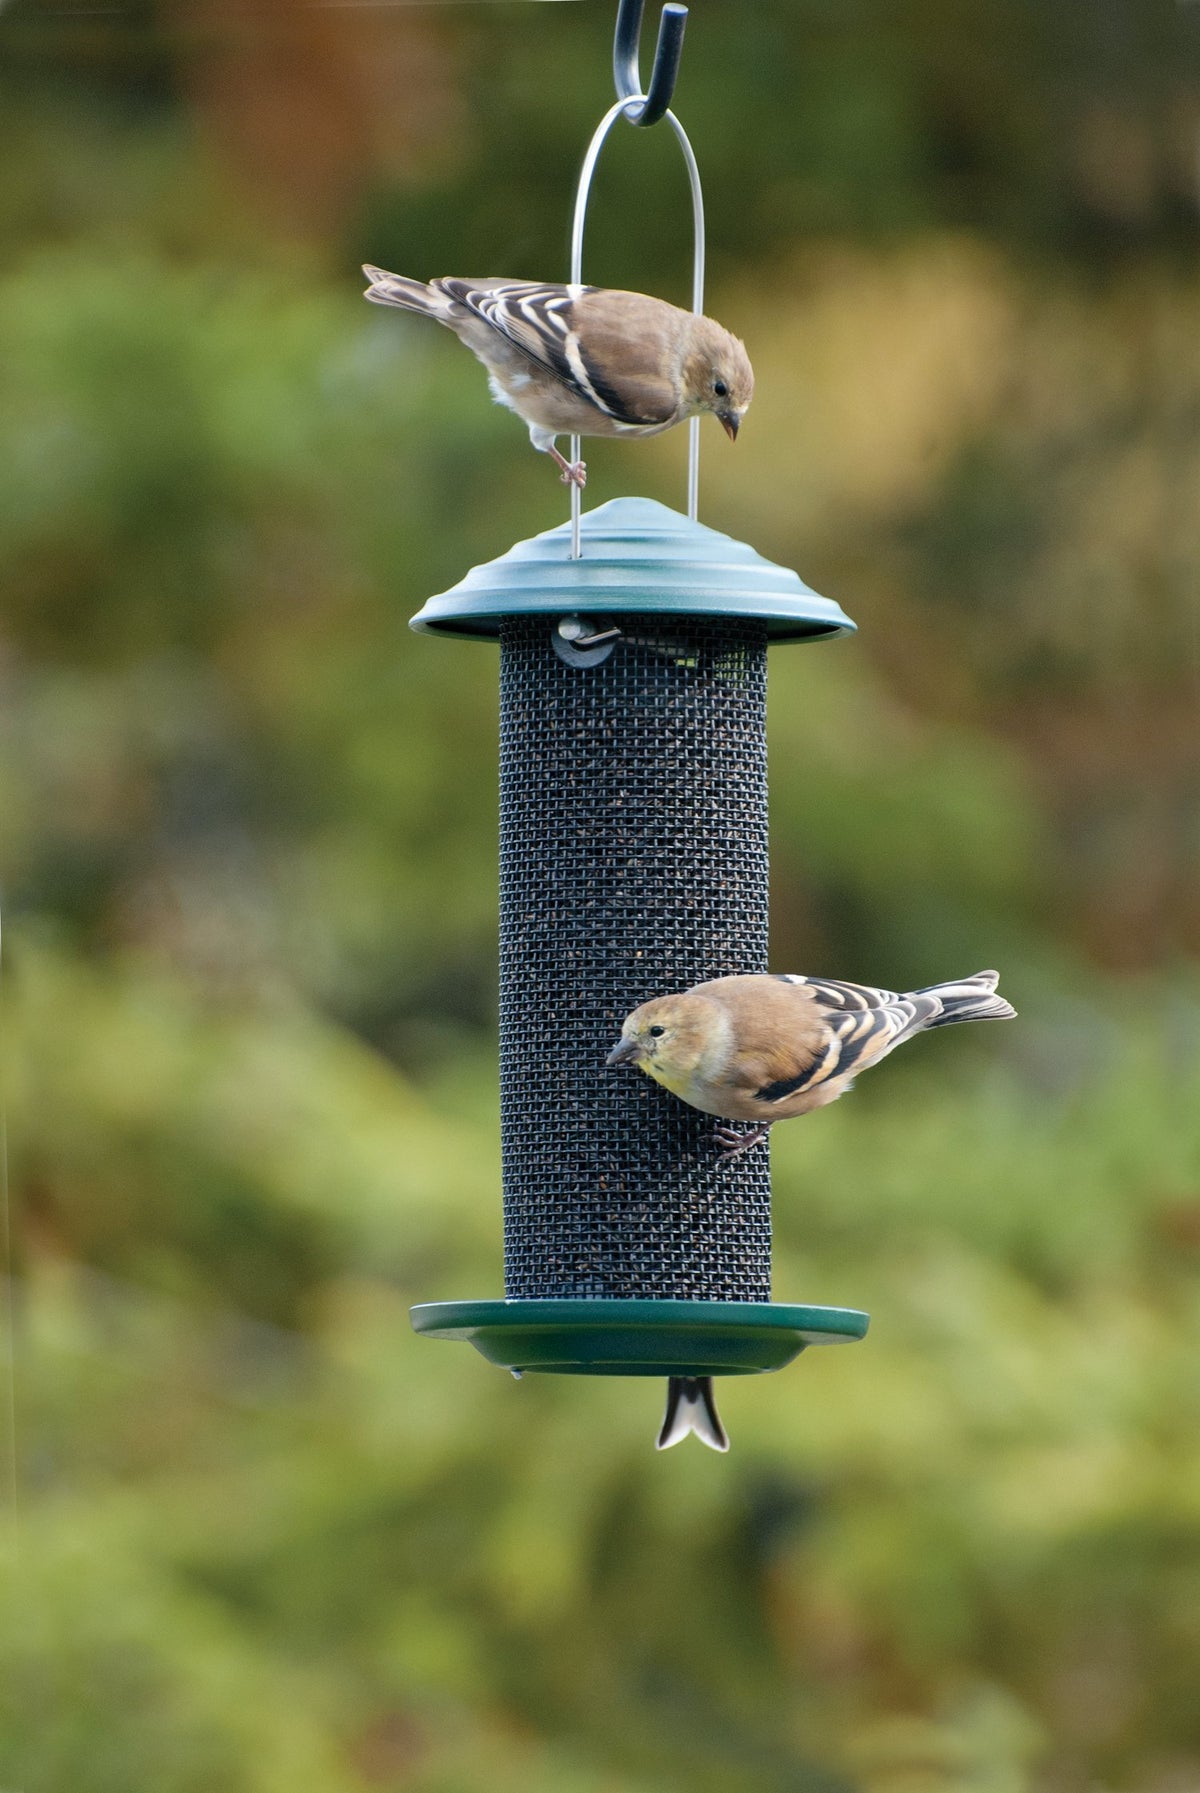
(720, 388)
(655, 1031)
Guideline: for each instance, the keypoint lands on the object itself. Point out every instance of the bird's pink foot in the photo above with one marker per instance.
(733, 1144)
(574, 473)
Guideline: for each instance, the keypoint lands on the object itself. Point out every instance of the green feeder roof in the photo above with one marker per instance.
(637, 556)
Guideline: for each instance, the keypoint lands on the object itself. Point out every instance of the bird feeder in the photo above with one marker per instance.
(633, 862)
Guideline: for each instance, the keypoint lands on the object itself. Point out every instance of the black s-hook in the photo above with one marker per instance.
(667, 52)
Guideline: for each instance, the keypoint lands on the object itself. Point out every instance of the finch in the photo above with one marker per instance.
(764, 1048)
(584, 360)
(691, 1407)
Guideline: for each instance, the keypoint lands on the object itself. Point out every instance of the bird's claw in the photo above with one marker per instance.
(574, 474)
(733, 1144)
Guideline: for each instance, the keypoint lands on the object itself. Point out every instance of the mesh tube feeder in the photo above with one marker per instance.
(633, 862)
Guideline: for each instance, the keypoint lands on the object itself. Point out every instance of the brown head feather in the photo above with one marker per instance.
(716, 374)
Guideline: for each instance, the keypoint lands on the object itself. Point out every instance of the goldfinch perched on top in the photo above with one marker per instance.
(764, 1048)
(584, 360)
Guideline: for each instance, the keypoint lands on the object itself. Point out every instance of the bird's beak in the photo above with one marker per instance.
(730, 423)
(624, 1052)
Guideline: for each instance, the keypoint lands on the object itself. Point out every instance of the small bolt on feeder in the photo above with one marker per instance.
(633, 861)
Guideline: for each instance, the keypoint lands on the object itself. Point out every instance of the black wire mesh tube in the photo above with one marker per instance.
(633, 861)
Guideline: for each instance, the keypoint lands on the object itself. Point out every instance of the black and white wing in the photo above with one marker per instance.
(862, 1025)
(606, 347)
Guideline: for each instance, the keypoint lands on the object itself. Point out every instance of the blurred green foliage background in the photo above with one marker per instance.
(260, 1537)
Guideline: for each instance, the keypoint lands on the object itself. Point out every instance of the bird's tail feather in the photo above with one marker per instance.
(692, 1407)
(969, 999)
(405, 294)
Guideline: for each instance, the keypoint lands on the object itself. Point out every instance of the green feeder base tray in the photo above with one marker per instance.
(639, 1338)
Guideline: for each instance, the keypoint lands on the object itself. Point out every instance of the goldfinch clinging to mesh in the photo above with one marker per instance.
(584, 360)
(764, 1048)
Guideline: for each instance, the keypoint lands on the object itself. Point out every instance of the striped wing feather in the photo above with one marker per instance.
(851, 1043)
(861, 1025)
(626, 371)
(819, 1029)
(578, 335)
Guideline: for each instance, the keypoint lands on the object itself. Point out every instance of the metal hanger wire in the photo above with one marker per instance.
(643, 108)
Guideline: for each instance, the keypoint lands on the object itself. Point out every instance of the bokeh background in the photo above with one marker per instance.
(261, 1538)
